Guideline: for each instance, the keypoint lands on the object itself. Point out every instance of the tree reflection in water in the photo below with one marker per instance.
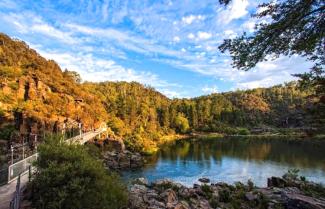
(234, 159)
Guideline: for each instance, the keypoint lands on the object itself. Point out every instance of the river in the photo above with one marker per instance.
(233, 159)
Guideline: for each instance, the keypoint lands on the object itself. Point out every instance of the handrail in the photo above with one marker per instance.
(15, 202)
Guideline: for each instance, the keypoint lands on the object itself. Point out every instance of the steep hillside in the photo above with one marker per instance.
(37, 96)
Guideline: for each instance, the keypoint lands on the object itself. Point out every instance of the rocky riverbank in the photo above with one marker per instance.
(122, 160)
(288, 193)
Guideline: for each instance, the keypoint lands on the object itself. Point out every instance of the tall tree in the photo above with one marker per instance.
(297, 27)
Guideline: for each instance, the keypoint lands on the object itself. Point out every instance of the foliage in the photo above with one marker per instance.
(68, 177)
(181, 123)
(224, 195)
(292, 174)
(6, 131)
(206, 189)
(136, 113)
(296, 27)
(243, 131)
(72, 75)
(250, 185)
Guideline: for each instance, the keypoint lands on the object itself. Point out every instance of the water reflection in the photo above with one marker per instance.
(233, 160)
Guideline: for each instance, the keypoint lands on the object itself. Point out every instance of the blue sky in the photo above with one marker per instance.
(169, 45)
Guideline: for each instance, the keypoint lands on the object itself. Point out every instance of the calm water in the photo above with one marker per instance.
(231, 160)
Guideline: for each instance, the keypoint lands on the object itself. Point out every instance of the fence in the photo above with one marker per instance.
(4, 175)
(15, 202)
(20, 167)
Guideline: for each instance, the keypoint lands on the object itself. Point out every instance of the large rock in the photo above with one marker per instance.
(116, 145)
(276, 182)
(136, 196)
(123, 160)
(182, 205)
(298, 201)
(141, 181)
(169, 196)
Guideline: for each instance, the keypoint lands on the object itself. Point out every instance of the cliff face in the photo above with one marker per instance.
(35, 95)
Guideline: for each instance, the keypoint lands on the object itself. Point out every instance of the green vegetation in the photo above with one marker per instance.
(69, 177)
(309, 188)
(295, 28)
(38, 90)
(6, 131)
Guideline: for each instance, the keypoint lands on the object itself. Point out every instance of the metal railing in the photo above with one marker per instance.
(21, 167)
(15, 202)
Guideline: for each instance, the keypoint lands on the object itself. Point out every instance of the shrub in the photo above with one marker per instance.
(292, 174)
(207, 191)
(250, 185)
(69, 177)
(224, 195)
(6, 131)
(243, 131)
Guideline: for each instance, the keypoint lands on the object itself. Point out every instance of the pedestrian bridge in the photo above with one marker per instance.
(19, 170)
(21, 167)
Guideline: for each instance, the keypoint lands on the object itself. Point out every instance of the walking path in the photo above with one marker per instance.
(7, 191)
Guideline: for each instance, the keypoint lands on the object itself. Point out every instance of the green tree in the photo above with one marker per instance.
(73, 75)
(69, 177)
(181, 123)
(297, 27)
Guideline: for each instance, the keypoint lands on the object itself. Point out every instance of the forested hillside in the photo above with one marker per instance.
(279, 106)
(36, 95)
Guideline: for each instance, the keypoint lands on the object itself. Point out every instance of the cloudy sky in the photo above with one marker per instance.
(169, 45)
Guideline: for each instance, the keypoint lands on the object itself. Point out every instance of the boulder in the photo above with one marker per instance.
(250, 196)
(298, 201)
(182, 205)
(169, 196)
(276, 182)
(141, 181)
(136, 196)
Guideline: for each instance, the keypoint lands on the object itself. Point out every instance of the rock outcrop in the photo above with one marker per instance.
(171, 195)
(121, 160)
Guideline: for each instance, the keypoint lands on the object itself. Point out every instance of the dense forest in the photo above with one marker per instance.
(37, 96)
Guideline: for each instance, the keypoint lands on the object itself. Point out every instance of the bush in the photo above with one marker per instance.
(224, 195)
(292, 174)
(243, 131)
(207, 191)
(69, 177)
(6, 131)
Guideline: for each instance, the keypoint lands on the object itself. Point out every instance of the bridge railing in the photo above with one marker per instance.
(21, 167)
(15, 202)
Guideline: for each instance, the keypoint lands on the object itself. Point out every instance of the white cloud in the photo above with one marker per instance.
(191, 36)
(203, 35)
(176, 39)
(249, 25)
(105, 10)
(124, 39)
(230, 34)
(191, 18)
(95, 69)
(236, 10)
(50, 31)
(210, 89)
(30, 23)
